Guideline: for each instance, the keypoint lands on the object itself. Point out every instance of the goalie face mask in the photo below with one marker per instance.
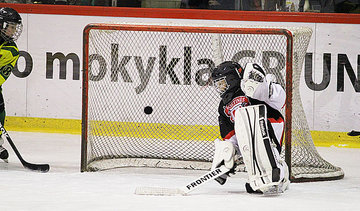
(226, 78)
(221, 85)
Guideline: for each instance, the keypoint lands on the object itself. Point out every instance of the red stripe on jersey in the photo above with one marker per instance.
(229, 135)
(282, 139)
(279, 120)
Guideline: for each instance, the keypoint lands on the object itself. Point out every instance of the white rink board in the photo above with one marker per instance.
(37, 96)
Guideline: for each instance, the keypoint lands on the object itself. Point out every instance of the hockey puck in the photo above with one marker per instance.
(148, 110)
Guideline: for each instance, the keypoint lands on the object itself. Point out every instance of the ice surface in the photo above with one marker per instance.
(65, 188)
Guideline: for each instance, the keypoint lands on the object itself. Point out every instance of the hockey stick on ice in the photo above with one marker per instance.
(31, 166)
(184, 190)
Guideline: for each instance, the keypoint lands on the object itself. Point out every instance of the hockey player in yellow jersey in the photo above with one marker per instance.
(10, 30)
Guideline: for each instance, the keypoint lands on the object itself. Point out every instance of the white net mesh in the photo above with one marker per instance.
(149, 100)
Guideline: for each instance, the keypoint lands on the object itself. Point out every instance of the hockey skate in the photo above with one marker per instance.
(273, 188)
(4, 155)
(268, 191)
(277, 189)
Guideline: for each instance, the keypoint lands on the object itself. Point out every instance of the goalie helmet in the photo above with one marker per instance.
(10, 24)
(226, 78)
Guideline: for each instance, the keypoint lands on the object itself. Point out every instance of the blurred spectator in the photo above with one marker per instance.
(129, 3)
(315, 6)
(14, 1)
(347, 6)
(96, 2)
(222, 4)
(247, 5)
(61, 2)
(194, 4)
(44, 2)
(275, 5)
(329, 6)
(271, 5)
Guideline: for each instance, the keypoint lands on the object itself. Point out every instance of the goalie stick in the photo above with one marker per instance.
(184, 190)
(31, 166)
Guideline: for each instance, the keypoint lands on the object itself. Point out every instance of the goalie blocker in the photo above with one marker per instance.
(267, 172)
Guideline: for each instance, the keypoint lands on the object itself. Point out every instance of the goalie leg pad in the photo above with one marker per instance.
(265, 168)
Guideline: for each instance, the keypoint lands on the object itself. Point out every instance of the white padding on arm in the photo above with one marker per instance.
(249, 87)
(261, 91)
(268, 91)
(277, 96)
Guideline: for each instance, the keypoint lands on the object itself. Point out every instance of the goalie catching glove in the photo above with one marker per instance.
(255, 83)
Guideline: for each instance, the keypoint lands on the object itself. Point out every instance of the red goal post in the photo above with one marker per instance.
(144, 106)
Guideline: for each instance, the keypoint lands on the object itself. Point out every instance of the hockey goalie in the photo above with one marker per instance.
(251, 126)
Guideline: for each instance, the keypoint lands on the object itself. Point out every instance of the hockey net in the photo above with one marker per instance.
(148, 99)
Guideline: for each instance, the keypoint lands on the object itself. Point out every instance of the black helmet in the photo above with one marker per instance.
(10, 24)
(226, 78)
